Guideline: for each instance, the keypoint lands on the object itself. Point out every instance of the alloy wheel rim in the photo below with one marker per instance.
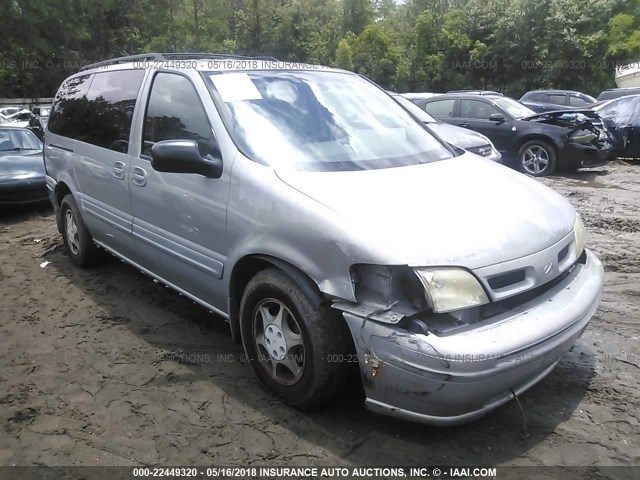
(535, 159)
(279, 342)
(72, 233)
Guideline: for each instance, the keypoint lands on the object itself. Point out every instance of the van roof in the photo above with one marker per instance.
(201, 61)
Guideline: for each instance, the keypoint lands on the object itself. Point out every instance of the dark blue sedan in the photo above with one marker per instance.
(22, 176)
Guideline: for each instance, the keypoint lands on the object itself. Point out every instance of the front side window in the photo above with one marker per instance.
(556, 98)
(175, 112)
(477, 109)
(319, 121)
(440, 108)
(576, 101)
(513, 107)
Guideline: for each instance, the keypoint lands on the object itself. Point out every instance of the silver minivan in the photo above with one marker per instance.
(331, 230)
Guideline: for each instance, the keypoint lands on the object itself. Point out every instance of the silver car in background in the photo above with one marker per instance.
(469, 140)
(310, 210)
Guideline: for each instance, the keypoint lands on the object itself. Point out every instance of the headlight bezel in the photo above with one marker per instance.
(450, 289)
(580, 235)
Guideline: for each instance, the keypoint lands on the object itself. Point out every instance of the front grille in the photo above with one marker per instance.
(501, 306)
(507, 279)
(563, 253)
(28, 193)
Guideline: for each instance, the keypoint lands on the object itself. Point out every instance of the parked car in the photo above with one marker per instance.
(617, 93)
(6, 111)
(536, 144)
(622, 118)
(469, 140)
(551, 100)
(22, 176)
(18, 119)
(317, 216)
(25, 119)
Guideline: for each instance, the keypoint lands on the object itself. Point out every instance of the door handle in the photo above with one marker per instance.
(139, 176)
(464, 125)
(118, 170)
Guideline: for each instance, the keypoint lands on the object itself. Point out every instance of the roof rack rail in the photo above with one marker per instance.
(197, 55)
(159, 57)
(125, 59)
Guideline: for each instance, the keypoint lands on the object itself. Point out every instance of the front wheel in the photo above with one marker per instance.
(295, 348)
(537, 158)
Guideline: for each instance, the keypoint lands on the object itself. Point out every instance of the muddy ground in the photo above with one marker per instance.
(106, 367)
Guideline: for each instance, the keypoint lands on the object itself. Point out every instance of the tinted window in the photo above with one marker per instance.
(534, 97)
(69, 101)
(476, 109)
(175, 112)
(556, 98)
(577, 101)
(112, 98)
(97, 112)
(441, 108)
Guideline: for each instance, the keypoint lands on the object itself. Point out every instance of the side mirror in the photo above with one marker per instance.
(498, 118)
(183, 156)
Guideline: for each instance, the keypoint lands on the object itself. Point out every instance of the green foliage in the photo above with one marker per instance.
(422, 45)
(344, 53)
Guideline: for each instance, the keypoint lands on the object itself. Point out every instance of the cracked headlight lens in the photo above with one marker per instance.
(451, 288)
(580, 234)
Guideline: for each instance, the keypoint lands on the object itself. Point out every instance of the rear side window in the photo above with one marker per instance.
(175, 113)
(440, 108)
(98, 108)
(69, 106)
(112, 99)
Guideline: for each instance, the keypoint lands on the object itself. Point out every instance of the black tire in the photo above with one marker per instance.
(82, 251)
(325, 336)
(537, 158)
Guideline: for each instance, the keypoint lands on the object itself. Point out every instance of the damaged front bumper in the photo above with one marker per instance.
(574, 155)
(453, 378)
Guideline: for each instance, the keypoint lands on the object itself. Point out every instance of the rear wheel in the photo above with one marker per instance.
(537, 158)
(77, 239)
(295, 348)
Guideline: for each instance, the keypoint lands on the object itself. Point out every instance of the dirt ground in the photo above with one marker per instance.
(106, 367)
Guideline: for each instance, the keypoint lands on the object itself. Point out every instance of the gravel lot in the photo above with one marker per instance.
(106, 367)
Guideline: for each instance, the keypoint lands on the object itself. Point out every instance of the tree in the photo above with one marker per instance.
(356, 15)
(344, 53)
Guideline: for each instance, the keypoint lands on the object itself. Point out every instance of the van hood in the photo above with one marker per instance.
(466, 211)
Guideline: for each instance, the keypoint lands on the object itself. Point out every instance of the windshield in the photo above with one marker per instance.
(319, 121)
(513, 107)
(18, 140)
(413, 109)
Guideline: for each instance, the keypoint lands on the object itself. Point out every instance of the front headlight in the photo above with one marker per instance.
(580, 234)
(451, 288)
